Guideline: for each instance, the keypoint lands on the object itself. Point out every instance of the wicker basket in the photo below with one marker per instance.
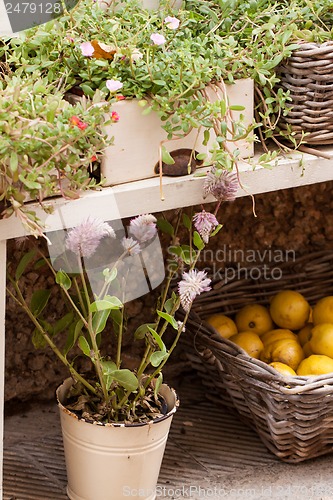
(293, 416)
(308, 75)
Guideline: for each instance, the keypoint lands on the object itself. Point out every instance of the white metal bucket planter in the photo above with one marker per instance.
(113, 461)
(137, 137)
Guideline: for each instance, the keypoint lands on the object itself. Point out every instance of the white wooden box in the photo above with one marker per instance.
(137, 137)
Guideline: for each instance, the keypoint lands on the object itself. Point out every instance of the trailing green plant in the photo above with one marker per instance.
(47, 146)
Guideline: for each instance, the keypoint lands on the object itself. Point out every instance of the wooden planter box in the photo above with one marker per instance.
(137, 137)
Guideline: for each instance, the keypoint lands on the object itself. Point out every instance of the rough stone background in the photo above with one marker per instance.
(299, 219)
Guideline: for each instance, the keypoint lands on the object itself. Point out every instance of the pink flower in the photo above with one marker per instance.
(143, 227)
(113, 85)
(131, 246)
(172, 22)
(157, 39)
(87, 49)
(84, 239)
(78, 123)
(193, 283)
(136, 55)
(222, 185)
(120, 97)
(205, 223)
(114, 116)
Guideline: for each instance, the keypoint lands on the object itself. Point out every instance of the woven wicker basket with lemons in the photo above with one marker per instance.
(289, 335)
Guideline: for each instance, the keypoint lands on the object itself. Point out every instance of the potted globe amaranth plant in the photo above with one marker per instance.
(115, 418)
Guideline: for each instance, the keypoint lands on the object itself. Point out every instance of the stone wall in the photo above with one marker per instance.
(299, 219)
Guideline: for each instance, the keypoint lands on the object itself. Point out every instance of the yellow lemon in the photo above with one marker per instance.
(321, 341)
(250, 342)
(278, 334)
(287, 351)
(289, 309)
(224, 325)
(304, 334)
(307, 350)
(282, 368)
(254, 318)
(323, 311)
(316, 364)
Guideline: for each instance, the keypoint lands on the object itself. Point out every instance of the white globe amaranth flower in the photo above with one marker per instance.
(222, 185)
(193, 283)
(131, 246)
(205, 223)
(143, 227)
(84, 239)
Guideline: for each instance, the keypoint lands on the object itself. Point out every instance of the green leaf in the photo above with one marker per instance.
(74, 331)
(187, 222)
(117, 318)
(236, 107)
(63, 280)
(205, 142)
(157, 357)
(22, 265)
(157, 338)
(197, 240)
(13, 162)
(216, 230)
(108, 367)
(39, 301)
(63, 323)
(99, 320)
(38, 340)
(107, 303)
(110, 275)
(84, 346)
(170, 319)
(168, 305)
(165, 226)
(158, 384)
(166, 156)
(142, 330)
(126, 379)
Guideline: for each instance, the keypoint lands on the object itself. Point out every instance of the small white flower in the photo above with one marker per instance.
(193, 283)
(172, 22)
(84, 239)
(87, 49)
(113, 85)
(131, 246)
(181, 325)
(143, 227)
(157, 39)
(136, 55)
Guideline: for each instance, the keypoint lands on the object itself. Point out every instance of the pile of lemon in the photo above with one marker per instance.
(289, 335)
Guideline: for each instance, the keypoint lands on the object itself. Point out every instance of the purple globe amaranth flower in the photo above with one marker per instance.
(193, 283)
(84, 239)
(205, 223)
(131, 246)
(223, 186)
(143, 227)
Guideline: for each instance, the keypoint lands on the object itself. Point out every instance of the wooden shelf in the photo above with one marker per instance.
(126, 200)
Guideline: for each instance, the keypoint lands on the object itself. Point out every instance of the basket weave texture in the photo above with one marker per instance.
(293, 416)
(308, 75)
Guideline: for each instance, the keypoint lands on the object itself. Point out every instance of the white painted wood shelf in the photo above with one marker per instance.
(133, 198)
(140, 197)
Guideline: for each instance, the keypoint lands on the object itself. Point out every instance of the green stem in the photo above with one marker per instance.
(47, 339)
